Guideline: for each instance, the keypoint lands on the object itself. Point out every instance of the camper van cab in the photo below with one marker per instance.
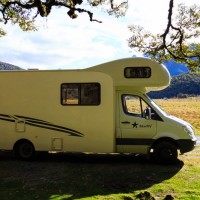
(101, 109)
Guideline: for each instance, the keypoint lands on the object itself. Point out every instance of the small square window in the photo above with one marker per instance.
(137, 72)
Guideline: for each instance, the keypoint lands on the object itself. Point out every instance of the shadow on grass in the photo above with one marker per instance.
(74, 176)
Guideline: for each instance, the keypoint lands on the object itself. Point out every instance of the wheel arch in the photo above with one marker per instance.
(164, 139)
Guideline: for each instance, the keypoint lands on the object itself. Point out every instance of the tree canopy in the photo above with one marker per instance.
(24, 12)
(178, 41)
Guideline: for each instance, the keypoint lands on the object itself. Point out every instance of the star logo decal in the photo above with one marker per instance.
(135, 125)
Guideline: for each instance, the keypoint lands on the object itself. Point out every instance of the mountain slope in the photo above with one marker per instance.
(175, 68)
(6, 66)
(184, 85)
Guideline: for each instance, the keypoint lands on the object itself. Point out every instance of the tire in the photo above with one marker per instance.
(25, 150)
(165, 153)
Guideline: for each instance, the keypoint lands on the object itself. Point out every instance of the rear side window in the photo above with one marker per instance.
(137, 72)
(80, 94)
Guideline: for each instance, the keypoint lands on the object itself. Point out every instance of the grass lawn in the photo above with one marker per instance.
(65, 177)
(187, 109)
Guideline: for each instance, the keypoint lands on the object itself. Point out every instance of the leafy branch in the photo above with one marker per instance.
(24, 12)
(179, 40)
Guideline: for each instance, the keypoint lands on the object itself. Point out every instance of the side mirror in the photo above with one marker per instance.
(147, 113)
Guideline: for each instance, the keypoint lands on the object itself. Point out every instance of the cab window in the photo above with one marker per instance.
(133, 105)
(136, 106)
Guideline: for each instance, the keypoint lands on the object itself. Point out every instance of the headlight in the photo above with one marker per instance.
(189, 130)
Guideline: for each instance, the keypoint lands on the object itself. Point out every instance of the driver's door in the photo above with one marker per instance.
(136, 129)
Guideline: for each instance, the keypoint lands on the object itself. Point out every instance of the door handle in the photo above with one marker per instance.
(125, 122)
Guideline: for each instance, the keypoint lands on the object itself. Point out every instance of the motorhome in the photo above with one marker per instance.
(100, 109)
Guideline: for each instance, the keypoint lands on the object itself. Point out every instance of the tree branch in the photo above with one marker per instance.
(164, 35)
(44, 8)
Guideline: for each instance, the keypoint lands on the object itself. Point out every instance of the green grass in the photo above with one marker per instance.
(65, 177)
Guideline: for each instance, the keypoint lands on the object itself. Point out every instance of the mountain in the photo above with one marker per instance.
(183, 85)
(175, 68)
(6, 66)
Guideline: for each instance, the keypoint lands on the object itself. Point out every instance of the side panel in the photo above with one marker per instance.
(30, 108)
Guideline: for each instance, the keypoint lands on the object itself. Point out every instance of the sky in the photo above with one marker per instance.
(65, 43)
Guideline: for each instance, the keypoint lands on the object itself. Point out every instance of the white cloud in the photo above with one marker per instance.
(62, 43)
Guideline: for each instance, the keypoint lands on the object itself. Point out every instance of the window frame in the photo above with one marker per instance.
(157, 116)
(137, 68)
(79, 86)
(125, 106)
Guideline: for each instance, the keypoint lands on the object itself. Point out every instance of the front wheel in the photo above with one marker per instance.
(165, 153)
(25, 150)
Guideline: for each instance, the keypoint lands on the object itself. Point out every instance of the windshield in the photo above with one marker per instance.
(155, 105)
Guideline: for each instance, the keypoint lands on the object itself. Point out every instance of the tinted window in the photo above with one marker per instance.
(80, 93)
(137, 72)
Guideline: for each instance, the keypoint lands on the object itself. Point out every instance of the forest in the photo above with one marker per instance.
(182, 86)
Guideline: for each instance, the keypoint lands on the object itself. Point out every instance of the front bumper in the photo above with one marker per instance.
(186, 145)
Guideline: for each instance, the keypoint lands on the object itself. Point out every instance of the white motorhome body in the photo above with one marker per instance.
(102, 109)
